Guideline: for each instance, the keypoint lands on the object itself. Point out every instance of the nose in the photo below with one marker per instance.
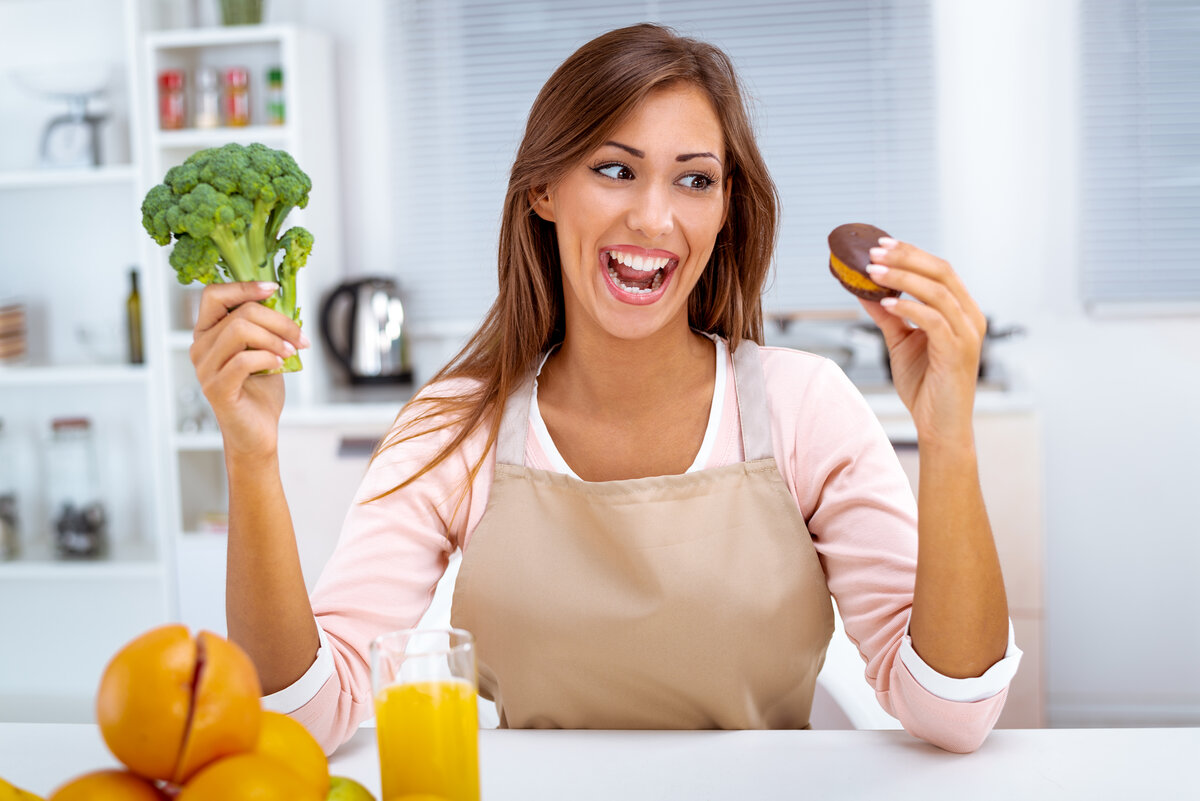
(652, 213)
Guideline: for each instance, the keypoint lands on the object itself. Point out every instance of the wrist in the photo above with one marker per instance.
(241, 463)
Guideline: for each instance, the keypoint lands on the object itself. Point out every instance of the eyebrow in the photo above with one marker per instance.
(682, 157)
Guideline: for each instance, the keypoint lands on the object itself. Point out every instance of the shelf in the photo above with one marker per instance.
(49, 569)
(60, 375)
(50, 178)
(200, 138)
(202, 441)
(181, 38)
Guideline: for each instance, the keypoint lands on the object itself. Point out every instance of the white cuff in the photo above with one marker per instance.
(995, 679)
(305, 688)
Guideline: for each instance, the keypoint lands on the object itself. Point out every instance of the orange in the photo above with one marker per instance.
(247, 777)
(288, 741)
(169, 704)
(107, 785)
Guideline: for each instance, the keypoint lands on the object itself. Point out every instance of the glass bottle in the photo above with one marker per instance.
(276, 109)
(9, 532)
(133, 313)
(77, 515)
(172, 109)
(208, 98)
(237, 97)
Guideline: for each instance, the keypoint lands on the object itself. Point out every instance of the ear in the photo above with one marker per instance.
(542, 204)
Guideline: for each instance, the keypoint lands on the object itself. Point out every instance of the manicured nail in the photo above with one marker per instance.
(304, 343)
(877, 269)
(878, 253)
(887, 242)
(888, 303)
(289, 347)
(268, 286)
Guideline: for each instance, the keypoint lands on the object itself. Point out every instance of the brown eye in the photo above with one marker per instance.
(616, 171)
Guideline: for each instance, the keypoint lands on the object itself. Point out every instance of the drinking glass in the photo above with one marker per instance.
(426, 713)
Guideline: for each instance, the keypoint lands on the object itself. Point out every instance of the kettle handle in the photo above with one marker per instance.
(341, 351)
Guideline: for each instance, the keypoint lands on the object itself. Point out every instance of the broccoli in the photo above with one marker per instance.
(223, 207)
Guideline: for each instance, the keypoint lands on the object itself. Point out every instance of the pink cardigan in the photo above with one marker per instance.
(835, 459)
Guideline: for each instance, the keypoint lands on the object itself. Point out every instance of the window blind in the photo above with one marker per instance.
(842, 99)
(1141, 151)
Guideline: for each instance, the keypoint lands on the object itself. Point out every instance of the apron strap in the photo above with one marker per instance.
(514, 425)
(753, 411)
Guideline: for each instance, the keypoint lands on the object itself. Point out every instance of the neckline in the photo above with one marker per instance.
(715, 411)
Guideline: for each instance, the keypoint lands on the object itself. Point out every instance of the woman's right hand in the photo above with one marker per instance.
(235, 338)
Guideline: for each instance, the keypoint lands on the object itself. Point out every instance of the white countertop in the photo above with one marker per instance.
(1013, 765)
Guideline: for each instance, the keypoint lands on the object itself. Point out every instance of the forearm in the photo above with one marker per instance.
(266, 602)
(959, 622)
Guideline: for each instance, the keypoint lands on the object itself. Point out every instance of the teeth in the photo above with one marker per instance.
(633, 290)
(645, 264)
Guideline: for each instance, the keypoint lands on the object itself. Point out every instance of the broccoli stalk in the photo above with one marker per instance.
(223, 208)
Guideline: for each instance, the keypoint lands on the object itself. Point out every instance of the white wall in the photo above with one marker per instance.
(1118, 397)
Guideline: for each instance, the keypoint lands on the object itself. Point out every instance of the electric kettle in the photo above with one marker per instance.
(362, 323)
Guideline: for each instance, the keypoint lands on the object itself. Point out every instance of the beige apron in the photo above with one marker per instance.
(691, 601)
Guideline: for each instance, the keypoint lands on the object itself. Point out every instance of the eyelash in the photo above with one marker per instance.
(709, 179)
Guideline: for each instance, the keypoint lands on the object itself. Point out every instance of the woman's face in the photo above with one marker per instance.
(636, 221)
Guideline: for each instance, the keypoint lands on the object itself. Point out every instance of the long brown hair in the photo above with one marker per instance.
(588, 97)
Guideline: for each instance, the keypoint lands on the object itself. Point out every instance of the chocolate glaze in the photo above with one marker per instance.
(851, 243)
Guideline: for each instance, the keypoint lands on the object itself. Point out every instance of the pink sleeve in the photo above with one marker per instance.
(861, 513)
(383, 573)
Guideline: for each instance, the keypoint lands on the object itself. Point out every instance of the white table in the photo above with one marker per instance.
(1013, 765)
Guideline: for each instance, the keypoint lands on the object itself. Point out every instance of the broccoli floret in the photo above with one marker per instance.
(223, 208)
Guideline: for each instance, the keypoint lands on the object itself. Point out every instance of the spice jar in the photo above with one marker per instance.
(172, 108)
(237, 96)
(276, 109)
(208, 98)
(76, 510)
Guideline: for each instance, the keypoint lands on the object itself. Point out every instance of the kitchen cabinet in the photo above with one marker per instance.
(63, 619)
(161, 463)
(1007, 442)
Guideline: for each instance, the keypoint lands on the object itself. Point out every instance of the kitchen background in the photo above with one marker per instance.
(1086, 425)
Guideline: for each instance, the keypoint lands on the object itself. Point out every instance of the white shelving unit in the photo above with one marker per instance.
(194, 467)
(65, 618)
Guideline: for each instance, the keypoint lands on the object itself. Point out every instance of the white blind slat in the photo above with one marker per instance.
(1141, 151)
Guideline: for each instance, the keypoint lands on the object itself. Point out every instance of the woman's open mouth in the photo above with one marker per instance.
(636, 275)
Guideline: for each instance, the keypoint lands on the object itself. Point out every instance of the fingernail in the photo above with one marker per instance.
(268, 286)
(887, 242)
(876, 269)
(877, 253)
(289, 347)
(888, 303)
(304, 343)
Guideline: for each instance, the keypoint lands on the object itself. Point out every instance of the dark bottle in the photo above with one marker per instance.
(133, 309)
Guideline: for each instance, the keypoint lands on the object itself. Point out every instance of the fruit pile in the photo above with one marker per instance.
(183, 716)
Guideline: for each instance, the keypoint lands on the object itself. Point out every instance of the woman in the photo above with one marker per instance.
(653, 511)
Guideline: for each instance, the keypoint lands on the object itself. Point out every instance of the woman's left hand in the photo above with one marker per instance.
(936, 363)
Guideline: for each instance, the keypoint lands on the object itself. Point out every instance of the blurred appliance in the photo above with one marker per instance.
(362, 323)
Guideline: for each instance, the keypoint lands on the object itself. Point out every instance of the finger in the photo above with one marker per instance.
(894, 253)
(894, 328)
(274, 321)
(228, 381)
(236, 334)
(937, 329)
(929, 291)
(218, 300)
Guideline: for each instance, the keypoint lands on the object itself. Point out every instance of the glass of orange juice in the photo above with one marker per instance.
(426, 714)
